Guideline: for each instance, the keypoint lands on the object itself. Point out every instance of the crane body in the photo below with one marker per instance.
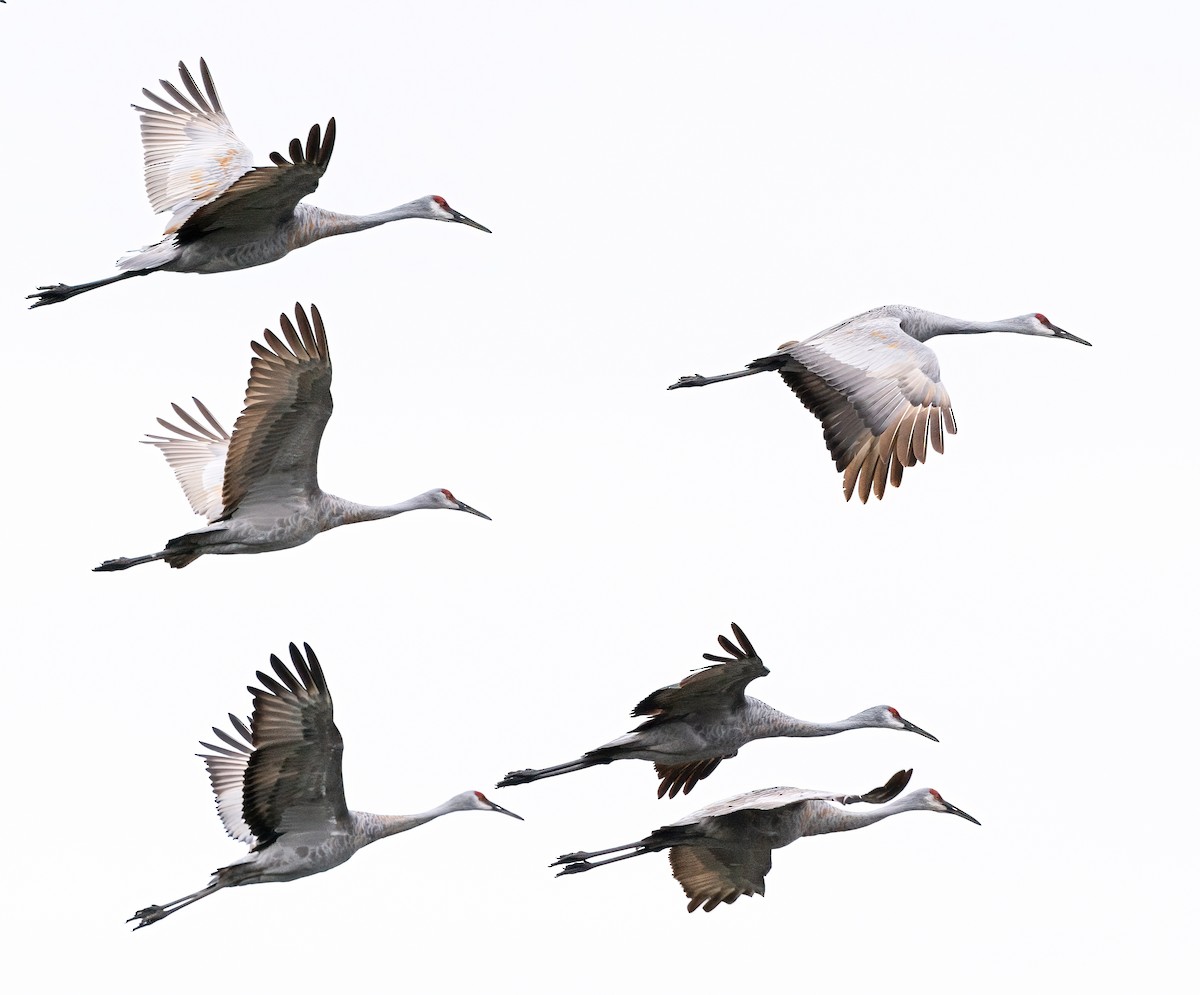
(706, 718)
(723, 851)
(877, 388)
(258, 487)
(226, 213)
(278, 788)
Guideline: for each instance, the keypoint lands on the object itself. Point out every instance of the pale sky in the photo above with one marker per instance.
(673, 188)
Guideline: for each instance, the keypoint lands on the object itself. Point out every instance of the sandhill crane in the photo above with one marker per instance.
(723, 851)
(706, 718)
(227, 213)
(876, 387)
(279, 788)
(258, 488)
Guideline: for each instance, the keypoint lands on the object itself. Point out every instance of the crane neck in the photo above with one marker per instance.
(369, 826)
(337, 511)
(924, 325)
(320, 223)
(838, 819)
(778, 723)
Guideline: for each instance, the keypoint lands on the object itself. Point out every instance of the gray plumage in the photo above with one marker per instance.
(227, 213)
(278, 786)
(706, 718)
(258, 487)
(876, 387)
(723, 851)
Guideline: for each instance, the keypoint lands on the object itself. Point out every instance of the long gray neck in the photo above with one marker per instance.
(320, 223)
(337, 511)
(776, 723)
(924, 325)
(369, 827)
(836, 819)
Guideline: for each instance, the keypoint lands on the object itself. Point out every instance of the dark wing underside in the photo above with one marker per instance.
(878, 394)
(720, 686)
(293, 779)
(264, 198)
(276, 439)
(711, 875)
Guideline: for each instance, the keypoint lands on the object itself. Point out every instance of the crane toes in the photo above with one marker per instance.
(575, 868)
(686, 381)
(151, 913)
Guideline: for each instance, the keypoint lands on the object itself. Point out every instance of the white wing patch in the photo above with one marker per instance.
(198, 459)
(226, 771)
(190, 150)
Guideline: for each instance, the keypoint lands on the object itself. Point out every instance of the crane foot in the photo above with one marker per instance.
(148, 915)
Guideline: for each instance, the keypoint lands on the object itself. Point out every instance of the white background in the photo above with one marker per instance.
(674, 188)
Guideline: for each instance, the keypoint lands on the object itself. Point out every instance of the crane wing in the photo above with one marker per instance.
(878, 394)
(264, 198)
(767, 799)
(674, 778)
(293, 778)
(227, 772)
(712, 874)
(197, 457)
(273, 451)
(190, 151)
(719, 687)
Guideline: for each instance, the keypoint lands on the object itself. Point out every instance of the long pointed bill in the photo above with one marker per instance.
(1060, 333)
(504, 811)
(955, 810)
(462, 219)
(909, 727)
(474, 511)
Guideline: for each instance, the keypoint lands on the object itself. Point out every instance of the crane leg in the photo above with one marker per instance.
(529, 774)
(58, 292)
(125, 562)
(582, 860)
(153, 913)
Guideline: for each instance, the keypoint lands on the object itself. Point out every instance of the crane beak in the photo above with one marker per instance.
(1060, 333)
(504, 811)
(462, 219)
(909, 727)
(474, 511)
(955, 810)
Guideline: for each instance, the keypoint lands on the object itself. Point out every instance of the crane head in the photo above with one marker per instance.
(1039, 324)
(439, 210)
(477, 801)
(440, 497)
(933, 801)
(886, 717)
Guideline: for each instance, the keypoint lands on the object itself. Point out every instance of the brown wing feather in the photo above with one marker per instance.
(721, 685)
(711, 875)
(266, 196)
(868, 456)
(293, 779)
(684, 777)
(277, 437)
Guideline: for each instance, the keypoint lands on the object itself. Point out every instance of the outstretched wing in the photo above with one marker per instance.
(273, 452)
(719, 687)
(265, 197)
(190, 151)
(674, 778)
(197, 457)
(878, 394)
(227, 772)
(711, 875)
(767, 799)
(293, 778)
